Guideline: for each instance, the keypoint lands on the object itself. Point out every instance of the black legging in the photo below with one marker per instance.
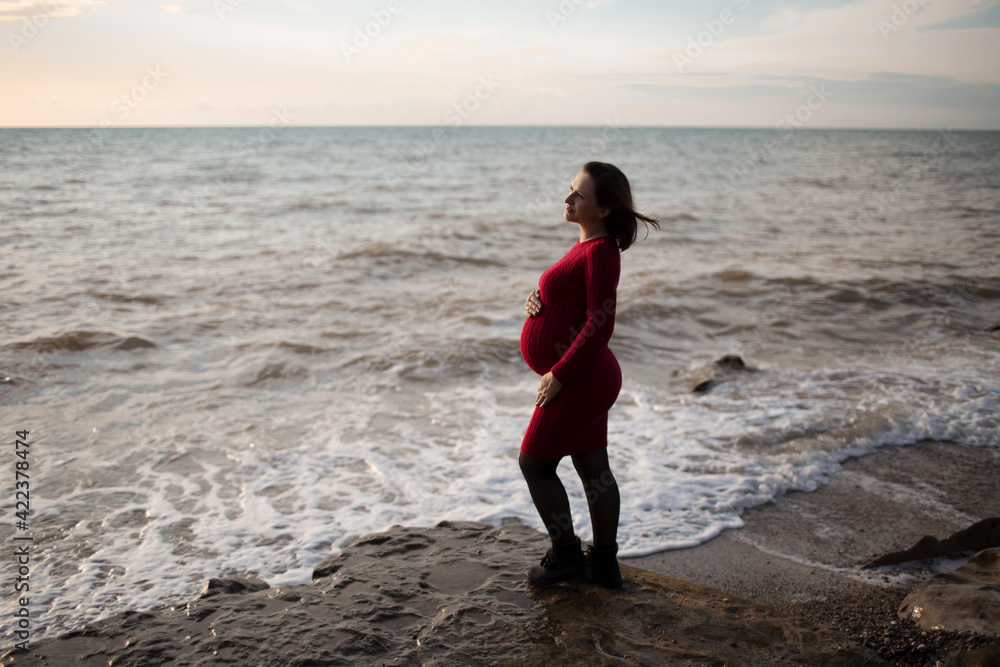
(552, 503)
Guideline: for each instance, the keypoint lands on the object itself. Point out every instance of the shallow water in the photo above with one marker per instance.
(238, 349)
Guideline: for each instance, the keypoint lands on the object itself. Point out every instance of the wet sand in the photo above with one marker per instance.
(802, 551)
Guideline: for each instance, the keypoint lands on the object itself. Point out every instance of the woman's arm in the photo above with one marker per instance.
(601, 271)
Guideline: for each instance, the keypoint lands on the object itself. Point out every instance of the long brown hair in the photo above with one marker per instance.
(613, 191)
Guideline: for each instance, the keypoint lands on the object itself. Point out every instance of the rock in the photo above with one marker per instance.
(984, 534)
(720, 370)
(732, 362)
(987, 656)
(452, 594)
(966, 600)
(232, 586)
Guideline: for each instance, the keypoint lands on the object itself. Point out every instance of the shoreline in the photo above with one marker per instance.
(802, 551)
(451, 594)
(878, 503)
(784, 590)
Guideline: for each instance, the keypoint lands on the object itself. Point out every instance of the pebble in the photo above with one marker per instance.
(871, 621)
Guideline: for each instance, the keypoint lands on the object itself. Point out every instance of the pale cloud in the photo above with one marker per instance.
(986, 15)
(552, 92)
(418, 67)
(20, 10)
(851, 42)
(563, 77)
(427, 48)
(299, 6)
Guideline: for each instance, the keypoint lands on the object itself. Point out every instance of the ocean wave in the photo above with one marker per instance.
(974, 212)
(118, 297)
(80, 341)
(875, 292)
(733, 275)
(311, 204)
(302, 348)
(823, 183)
(382, 253)
(274, 373)
(678, 217)
(31, 209)
(826, 433)
(425, 360)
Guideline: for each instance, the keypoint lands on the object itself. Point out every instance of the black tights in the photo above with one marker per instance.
(552, 503)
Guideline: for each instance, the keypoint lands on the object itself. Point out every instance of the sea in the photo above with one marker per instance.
(233, 351)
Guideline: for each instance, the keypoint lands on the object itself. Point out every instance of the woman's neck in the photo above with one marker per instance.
(594, 231)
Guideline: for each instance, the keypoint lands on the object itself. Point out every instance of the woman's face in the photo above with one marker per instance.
(581, 204)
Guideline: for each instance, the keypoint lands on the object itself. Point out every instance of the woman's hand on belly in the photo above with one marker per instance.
(533, 304)
(547, 390)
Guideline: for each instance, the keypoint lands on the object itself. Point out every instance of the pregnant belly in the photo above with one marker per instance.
(543, 342)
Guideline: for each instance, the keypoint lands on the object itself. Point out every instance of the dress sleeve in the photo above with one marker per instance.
(601, 270)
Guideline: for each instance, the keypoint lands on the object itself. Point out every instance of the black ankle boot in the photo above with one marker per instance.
(604, 567)
(563, 562)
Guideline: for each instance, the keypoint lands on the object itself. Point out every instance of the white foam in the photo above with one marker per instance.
(687, 468)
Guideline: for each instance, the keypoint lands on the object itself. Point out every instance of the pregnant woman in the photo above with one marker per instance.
(565, 340)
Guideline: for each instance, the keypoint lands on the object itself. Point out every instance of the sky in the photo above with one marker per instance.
(712, 63)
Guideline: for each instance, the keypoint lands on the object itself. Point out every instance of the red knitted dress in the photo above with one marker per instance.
(569, 337)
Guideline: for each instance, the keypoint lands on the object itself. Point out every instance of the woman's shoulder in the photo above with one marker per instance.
(605, 248)
(599, 243)
(600, 254)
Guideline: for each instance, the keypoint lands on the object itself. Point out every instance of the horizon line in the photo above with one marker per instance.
(512, 125)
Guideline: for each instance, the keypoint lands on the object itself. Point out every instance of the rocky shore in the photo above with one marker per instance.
(453, 594)
(785, 590)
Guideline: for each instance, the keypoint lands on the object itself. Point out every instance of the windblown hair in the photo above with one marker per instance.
(613, 191)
